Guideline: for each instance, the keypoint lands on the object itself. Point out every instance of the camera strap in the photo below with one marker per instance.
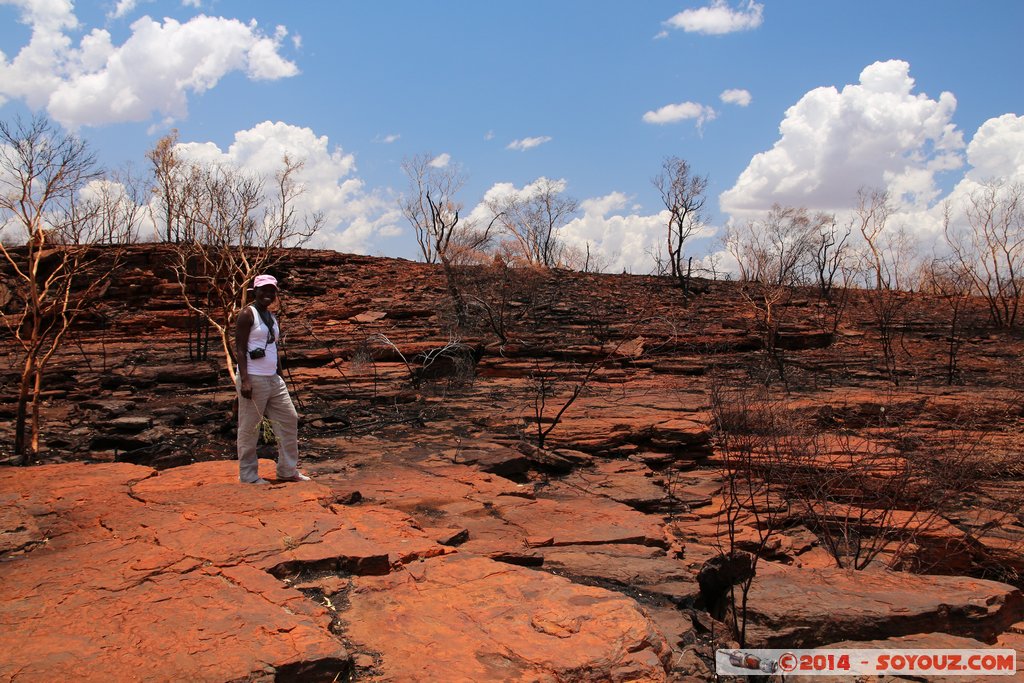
(268, 319)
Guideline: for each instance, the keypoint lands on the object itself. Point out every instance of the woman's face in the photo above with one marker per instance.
(265, 295)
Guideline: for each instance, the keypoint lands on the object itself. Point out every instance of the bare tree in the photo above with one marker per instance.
(947, 280)
(238, 229)
(751, 429)
(683, 194)
(432, 208)
(885, 494)
(501, 296)
(59, 272)
(584, 260)
(778, 248)
(171, 188)
(533, 218)
(547, 385)
(990, 248)
(444, 184)
(830, 255)
(774, 254)
(444, 237)
(890, 262)
(116, 206)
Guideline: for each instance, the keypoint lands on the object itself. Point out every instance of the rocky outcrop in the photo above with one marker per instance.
(188, 575)
(481, 620)
(115, 584)
(433, 496)
(810, 607)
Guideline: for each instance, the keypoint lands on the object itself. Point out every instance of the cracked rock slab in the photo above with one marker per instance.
(644, 569)
(811, 607)
(114, 570)
(484, 620)
(98, 611)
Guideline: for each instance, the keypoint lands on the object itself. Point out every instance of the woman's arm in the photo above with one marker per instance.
(280, 346)
(243, 326)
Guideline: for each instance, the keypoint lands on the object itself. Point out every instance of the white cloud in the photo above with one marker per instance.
(152, 72)
(123, 8)
(621, 241)
(660, 35)
(501, 190)
(50, 15)
(387, 139)
(489, 135)
(877, 133)
(995, 154)
(482, 215)
(27, 76)
(736, 96)
(192, 3)
(718, 18)
(528, 143)
(674, 113)
(997, 150)
(355, 216)
(441, 160)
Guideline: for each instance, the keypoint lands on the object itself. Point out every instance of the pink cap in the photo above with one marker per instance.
(263, 280)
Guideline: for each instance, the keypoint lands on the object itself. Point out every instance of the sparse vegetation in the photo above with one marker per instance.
(58, 273)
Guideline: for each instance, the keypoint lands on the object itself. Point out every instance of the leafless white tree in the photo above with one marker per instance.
(775, 253)
(990, 247)
(532, 220)
(58, 272)
(237, 224)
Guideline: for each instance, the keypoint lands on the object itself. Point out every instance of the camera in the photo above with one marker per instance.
(257, 353)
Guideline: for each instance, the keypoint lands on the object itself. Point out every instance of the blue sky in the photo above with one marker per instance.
(355, 87)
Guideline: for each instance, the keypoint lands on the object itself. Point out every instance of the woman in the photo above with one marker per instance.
(261, 388)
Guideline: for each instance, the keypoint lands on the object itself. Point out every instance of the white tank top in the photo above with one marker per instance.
(257, 339)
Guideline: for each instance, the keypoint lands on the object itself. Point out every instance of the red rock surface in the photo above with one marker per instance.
(111, 590)
(177, 575)
(484, 620)
(806, 607)
(573, 562)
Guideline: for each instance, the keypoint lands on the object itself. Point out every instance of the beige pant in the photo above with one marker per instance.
(270, 399)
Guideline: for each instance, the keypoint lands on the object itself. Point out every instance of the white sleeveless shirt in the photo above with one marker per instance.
(257, 339)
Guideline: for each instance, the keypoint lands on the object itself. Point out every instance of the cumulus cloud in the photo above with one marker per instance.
(617, 236)
(736, 96)
(995, 155)
(718, 18)
(622, 241)
(53, 15)
(123, 8)
(152, 72)
(441, 160)
(528, 143)
(674, 113)
(355, 215)
(501, 191)
(997, 150)
(877, 133)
